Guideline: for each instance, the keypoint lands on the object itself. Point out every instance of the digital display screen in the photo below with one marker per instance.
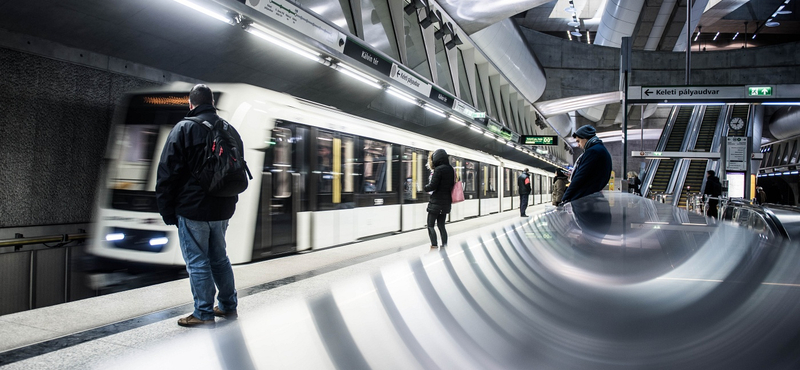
(539, 140)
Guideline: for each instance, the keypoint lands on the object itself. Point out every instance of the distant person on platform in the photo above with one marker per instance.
(713, 189)
(202, 219)
(524, 184)
(634, 184)
(559, 186)
(761, 195)
(592, 169)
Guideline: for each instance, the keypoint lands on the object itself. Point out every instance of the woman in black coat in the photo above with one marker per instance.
(441, 184)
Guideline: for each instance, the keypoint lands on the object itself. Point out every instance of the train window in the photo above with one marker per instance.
(349, 164)
(415, 173)
(488, 180)
(137, 162)
(325, 161)
(470, 177)
(377, 167)
(507, 181)
(281, 162)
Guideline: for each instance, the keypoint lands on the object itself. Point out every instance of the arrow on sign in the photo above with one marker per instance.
(647, 92)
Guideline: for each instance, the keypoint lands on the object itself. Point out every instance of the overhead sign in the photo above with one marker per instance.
(463, 108)
(539, 140)
(736, 154)
(300, 20)
(441, 97)
(367, 57)
(479, 115)
(408, 79)
(499, 130)
(661, 93)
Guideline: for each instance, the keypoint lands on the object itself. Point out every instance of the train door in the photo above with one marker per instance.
(282, 191)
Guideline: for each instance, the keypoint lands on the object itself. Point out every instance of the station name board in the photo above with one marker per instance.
(539, 140)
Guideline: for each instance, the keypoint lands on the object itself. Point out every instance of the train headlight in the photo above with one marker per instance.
(115, 236)
(158, 241)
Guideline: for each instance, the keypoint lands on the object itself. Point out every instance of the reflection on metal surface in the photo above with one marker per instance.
(576, 288)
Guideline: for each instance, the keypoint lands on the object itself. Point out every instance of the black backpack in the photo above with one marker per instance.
(222, 171)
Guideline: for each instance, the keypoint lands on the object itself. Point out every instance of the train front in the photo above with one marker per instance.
(127, 223)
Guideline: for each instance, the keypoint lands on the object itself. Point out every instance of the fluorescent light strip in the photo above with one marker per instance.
(210, 13)
(500, 140)
(715, 36)
(510, 144)
(271, 36)
(781, 103)
(488, 134)
(734, 36)
(476, 129)
(403, 96)
(358, 75)
(457, 120)
(434, 111)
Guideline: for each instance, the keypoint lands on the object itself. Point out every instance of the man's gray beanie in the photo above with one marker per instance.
(585, 132)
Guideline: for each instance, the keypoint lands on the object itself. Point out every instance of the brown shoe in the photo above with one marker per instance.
(228, 315)
(191, 321)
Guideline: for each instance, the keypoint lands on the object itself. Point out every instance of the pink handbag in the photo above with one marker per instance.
(457, 194)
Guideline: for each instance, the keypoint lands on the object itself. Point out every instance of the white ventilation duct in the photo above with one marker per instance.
(618, 21)
(784, 123)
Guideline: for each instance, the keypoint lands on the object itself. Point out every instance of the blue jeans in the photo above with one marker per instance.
(203, 248)
(523, 204)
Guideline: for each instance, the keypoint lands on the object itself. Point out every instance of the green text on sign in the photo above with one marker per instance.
(540, 140)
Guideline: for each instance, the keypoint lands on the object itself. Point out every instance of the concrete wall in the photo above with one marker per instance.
(575, 69)
(55, 125)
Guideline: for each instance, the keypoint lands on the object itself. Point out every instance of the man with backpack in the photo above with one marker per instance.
(202, 218)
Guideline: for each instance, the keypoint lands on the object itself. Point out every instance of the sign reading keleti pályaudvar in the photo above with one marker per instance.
(539, 140)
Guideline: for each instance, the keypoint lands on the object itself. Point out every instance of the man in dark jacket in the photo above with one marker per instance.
(592, 169)
(524, 184)
(202, 219)
(713, 189)
(441, 184)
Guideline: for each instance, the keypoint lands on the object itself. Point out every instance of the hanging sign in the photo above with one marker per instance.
(736, 154)
(408, 79)
(298, 19)
(539, 140)
(367, 57)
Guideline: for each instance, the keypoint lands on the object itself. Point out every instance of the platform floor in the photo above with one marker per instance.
(89, 333)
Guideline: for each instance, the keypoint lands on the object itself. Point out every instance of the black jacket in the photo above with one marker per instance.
(441, 183)
(713, 187)
(524, 189)
(177, 191)
(592, 171)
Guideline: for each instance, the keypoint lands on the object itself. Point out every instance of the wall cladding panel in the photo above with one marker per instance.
(55, 123)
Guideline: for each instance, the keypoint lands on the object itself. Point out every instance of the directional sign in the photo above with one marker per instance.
(661, 93)
(759, 91)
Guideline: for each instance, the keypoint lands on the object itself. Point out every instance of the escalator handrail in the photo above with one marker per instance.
(769, 217)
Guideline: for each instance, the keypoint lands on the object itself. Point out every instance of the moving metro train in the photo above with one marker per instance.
(326, 178)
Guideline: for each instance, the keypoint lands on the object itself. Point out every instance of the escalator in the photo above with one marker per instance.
(666, 166)
(697, 167)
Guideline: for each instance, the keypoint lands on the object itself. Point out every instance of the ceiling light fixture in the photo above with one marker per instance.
(576, 33)
(208, 12)
(734, 36)
(715, 36)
